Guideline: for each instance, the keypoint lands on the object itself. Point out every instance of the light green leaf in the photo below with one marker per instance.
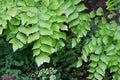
(93, 64)
(46, 48)
(13, 11)
(114, 69)
(62, 44)
(24, 30)
(46, 2)
(66, 4)
(36, 52)
(105, 40)
(60, 19)
(44, 16)
(33, 29)
(55, 27)
(21, 37)
(15, 21)
(33, 37)
(94, 57)
(92, 70)
(100, 71)
(42, 58)
(33, 20)
(98, 76)
(6, 17)
(79, 62)
(24, 18)
(46, 40)
(36, 44)
(62, 35)
(117, 35)
(21, 3)
(104, 58)
(44, 31)
(69, 11)
(55, 35)
(98, 50)
(1, 30)
(16, 43)
(54, 4)
(102, 65)
(76, 1)
(80, 7)
(109, 47)
(63, 27)
(74, 42)
(73, 16)
(44, 24)
(92, 14)
(99, 11)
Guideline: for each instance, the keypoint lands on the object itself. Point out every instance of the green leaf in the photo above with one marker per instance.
(92, 14)
(36, 44)
(21, 3)
(79, 62)
(109, 47)
(24, 30)
(98, 76)
(62, 35)
(91, 70)
(21, 37)
(13, 11)
(60, 19)
(1, 30)
(54, 4)
(44, 31)
(55, 27)
(69, 11)
(55, 35)
(44, 16)
(117, 35)
(104, 58)
(33, 37)
(76, 1)
(100, 71)
(93, 64)
(73, 16)
(114, 69)
(45, 24)
(46, 40)
(80, 7)
(6, 17)
(102, 65)
(98, 50)
(42, 58)
(105, 40)
(74, 42)
(94, 57)
(112, 52)
(63, 27)
(15, 21)
(36, 52)
(99, 11)
(33, 29)
(46, 2)
(66, 4)
(24, 18)
(16, 43)
(46, 48)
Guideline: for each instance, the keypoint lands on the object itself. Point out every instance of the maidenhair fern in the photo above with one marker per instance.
(103, 50)
(44, 24)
